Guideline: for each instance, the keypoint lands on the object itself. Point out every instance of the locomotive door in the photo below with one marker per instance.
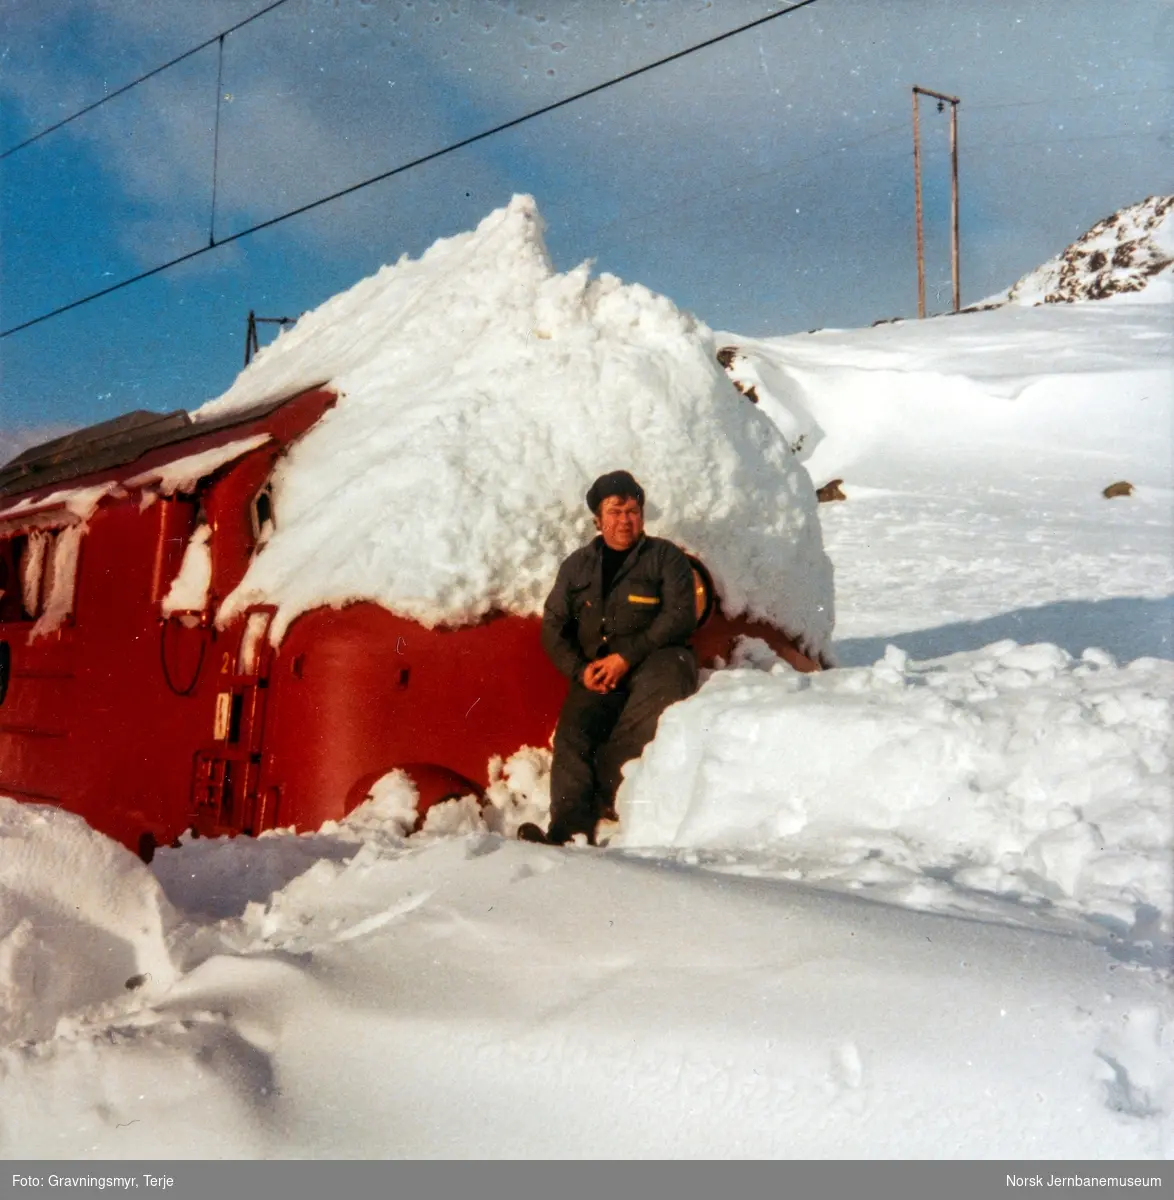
(226, 793)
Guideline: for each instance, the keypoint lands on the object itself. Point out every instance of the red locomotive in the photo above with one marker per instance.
(149, 720)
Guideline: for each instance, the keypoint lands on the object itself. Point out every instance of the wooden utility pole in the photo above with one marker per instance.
(955, 257)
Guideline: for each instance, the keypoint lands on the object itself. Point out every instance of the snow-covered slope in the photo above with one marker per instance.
(974, 451)
(480, 394)
(1128, 253)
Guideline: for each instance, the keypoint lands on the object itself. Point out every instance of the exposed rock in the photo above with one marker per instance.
(1122, 253)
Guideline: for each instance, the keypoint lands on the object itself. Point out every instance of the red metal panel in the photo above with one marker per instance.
(358, 691)
(716, 639)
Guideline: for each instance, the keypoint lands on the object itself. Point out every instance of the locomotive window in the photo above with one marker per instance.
(37, 572)
(21, 565)
(9, 587)
(261, 513)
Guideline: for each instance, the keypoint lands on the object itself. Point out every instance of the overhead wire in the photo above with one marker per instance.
(216, 143)
(126, 87)
(1064, 99)
(742, 180)
(1135, 134)
(408, 166)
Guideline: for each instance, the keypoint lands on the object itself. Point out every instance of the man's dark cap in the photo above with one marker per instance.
(614, 483)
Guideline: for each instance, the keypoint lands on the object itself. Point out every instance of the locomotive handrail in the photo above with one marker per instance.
(164, 625)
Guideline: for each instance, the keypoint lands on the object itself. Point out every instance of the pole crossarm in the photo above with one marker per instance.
(937, 95)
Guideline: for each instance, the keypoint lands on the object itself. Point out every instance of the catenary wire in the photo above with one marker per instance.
(126, 87)
(408, 166)
(827, 158)
(216, 143)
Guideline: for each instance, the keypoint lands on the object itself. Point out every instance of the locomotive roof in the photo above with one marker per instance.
(115, 443)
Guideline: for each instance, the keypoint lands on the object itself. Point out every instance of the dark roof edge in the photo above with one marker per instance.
(120, 441)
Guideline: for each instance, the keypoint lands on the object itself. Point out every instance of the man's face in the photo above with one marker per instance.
(621, 521)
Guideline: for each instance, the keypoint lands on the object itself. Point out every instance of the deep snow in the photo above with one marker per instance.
(919, 906)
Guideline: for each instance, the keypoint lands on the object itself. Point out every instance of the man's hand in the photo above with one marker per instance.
(603, 674)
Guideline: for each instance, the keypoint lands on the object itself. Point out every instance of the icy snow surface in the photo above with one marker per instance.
(480, 394)
(918, 906)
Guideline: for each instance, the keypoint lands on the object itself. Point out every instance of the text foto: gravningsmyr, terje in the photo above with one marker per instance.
(93, 1181)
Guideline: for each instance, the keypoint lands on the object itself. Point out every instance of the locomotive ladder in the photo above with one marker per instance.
(226, 778)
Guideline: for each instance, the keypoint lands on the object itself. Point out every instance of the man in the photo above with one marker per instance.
(616, 624)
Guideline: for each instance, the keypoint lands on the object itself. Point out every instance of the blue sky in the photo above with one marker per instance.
(764, 183)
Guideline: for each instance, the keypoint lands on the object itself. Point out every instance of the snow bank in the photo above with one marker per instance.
(1014, 770)
(1021, 396)
(81, 921)
(480, 393)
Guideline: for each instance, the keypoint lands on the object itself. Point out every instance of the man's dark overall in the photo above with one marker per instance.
(646, 615)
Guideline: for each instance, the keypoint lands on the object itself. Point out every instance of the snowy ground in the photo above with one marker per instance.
(916, 907)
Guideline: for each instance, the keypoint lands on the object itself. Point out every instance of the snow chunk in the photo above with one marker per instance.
(33, 569)
(480, 392)
(80, 919)
(189, 589)
(390, 807)
(78, 502)
(519, 790)
(183, 474)
(454, 818)
(62, 550)
(1014, 770)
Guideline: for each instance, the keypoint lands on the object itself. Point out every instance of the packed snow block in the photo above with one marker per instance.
(1014, 770)
(80, 919)
(480, 392)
